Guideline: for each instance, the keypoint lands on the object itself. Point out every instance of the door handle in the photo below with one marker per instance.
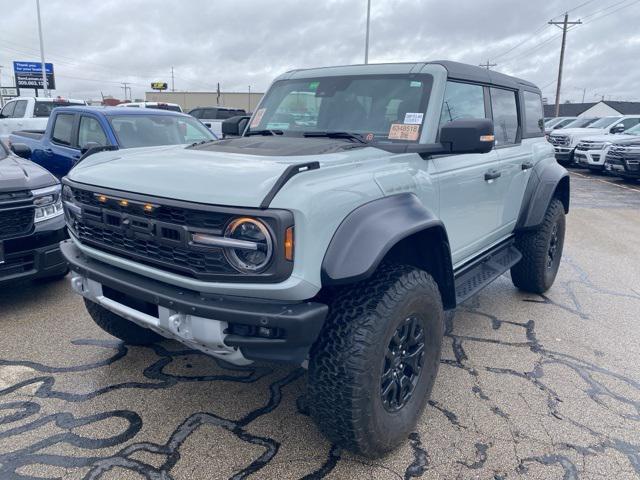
(527, 165)
(491, 175)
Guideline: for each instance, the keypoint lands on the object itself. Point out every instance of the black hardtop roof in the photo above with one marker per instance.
(473, 73)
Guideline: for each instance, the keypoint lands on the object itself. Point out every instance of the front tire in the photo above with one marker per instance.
(541, 252)
(374, 364)
(120, 327)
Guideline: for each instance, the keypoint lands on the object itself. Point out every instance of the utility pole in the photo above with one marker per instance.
(584, 92)
(45, 90)
(249, 100)
(125, 86)
(564, 25)
(172, 81)
(366, 41)
(488, 65)
(1, 97)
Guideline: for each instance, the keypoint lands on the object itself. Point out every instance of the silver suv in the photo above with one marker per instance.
(358, 206)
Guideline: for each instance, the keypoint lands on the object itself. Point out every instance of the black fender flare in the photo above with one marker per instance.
(370, 231)
(547, 178)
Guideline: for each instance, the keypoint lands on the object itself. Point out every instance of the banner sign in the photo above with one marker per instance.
(29, 75)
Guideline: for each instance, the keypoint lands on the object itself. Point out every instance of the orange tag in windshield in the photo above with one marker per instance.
(401, 131)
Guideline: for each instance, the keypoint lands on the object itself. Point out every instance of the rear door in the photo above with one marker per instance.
(514, 154)
(468, 183)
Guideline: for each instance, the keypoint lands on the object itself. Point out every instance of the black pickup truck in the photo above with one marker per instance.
(31, 221)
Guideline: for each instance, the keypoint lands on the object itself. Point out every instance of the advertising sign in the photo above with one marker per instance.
(159, 86)
(29, 75)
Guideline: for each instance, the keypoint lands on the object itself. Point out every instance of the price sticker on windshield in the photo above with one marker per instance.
(257, 118)
(400, 131)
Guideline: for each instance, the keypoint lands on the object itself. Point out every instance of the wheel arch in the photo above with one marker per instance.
(549, 180)
(397, 228)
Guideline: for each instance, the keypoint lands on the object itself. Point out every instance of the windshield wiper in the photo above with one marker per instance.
(347, 135)
(263, 132)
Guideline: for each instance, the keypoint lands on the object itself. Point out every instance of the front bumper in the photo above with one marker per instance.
(564, 154)
(593, 159)
(620, 170)
(34, 256)
(203, 321)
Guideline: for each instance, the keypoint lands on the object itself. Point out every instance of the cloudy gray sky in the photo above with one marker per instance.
(96, 44)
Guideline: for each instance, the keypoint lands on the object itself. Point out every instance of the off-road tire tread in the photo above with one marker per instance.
(528, 273)
(119, 327)
(356, 320)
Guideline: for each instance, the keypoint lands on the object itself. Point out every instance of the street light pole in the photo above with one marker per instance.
(366, 42)
(45, 90)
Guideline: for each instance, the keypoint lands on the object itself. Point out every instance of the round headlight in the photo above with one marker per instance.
(249, 260)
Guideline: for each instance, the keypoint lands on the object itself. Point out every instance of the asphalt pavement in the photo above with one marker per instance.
(535, 387)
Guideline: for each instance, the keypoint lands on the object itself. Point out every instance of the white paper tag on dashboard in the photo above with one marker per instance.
(413, 118)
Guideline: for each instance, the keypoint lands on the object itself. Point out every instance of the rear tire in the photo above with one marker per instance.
(382, 333)
(541, 252)
(120, 327)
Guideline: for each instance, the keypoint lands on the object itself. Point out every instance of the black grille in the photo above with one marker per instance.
(164, 213)
(150, 251)
(15, 222)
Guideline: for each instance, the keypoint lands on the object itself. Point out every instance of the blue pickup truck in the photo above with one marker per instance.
(73, 131)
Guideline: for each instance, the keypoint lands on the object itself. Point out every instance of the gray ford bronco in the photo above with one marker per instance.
(356, 208)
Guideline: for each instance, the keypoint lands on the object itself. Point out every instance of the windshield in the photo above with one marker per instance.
(581, 123)
(164, 106)
(553, 121)
(604, 122)
(44, 109)
(381, 108)
(152, 130)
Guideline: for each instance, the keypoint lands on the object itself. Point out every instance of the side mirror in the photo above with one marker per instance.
(234, 126)
(21, 150)
(618, 128)
(468, 135)
(88, 146)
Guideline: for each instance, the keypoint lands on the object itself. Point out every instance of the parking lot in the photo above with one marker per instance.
(529, 386)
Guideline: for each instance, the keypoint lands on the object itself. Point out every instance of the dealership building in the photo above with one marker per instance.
(191, 100)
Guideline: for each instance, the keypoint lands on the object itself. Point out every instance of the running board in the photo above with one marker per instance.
(479, 273)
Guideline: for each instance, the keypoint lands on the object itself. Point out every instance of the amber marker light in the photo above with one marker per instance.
(288, 244)
(148, 207)
(102, 198)
(487, 138)
(124, 203)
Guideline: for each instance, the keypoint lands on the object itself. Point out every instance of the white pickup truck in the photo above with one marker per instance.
(29, 113)
(566, 140)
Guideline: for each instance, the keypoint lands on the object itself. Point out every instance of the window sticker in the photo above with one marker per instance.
(413, 118)
(313, 86)
(400, 131)
(257, 118)
(415, 84)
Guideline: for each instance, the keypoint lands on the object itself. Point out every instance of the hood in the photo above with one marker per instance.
(19, 174)
(602, 138)
(627, 140)
(579, 131)
(217, 173)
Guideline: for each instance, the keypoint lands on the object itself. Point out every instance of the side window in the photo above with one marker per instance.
(7, 111)
(90, 130)
(62, 129)
(505, 116)
(462, 100)
(210, 113)
(21, 108)
(533, 114)
(196, 113)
